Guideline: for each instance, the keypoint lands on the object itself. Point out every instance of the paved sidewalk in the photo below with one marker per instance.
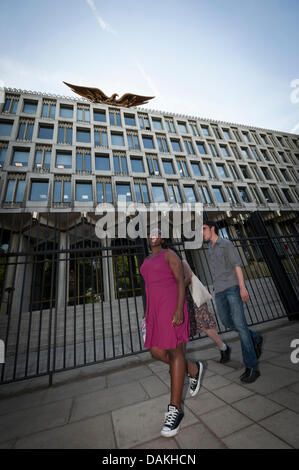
(121, 404)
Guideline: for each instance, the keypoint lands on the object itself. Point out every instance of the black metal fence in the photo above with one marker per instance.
(69, 300)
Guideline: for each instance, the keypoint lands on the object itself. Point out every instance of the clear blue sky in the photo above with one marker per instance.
(230, 60)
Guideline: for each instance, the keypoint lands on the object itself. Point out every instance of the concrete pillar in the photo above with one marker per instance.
(108, 276)
(63, 274)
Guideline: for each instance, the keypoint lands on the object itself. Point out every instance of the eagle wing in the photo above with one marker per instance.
(93, 94)
(129, 99)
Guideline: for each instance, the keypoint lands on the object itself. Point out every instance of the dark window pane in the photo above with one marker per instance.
(57, 191)
(30, 108)
(20, 191)
(20, 158)
(148, 142)
(67, 191)
(10, 190)
(5, 128)
(45, 132)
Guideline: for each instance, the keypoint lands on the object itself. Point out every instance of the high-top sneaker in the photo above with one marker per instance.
(172, 421)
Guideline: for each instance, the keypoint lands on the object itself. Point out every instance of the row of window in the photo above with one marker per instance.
(65, 136)
(83, 192)
(160, 124)
(102, 162)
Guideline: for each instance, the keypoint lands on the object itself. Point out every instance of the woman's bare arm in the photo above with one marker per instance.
(177, 269)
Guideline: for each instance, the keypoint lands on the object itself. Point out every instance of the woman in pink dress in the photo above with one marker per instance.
(167, 325)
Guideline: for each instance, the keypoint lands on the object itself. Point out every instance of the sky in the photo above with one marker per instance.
(228, 60)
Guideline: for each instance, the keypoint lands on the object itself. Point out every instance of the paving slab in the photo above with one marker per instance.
(103, 401)
(257, 407)
(294, 387)
(138, 423)
(284, 425)
(22, 423)
(94, 433)
(21, 402)
(220, 369)
(254, 437)
(198, 436)
(225, 421)
(286, 398)
(284, 360)
(272, 378)
(74, 389)
(233, 392)
(154, 386)
(214, 382)
(128, 375)
(160, 443)
(203, 403)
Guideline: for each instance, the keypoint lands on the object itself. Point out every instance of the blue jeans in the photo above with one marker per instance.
(231, 313)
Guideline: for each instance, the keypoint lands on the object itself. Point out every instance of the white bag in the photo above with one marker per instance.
(199, 292)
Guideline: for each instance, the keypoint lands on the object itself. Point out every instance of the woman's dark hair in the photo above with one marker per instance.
(212, 224)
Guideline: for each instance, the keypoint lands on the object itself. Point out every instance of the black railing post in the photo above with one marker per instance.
(280, 278)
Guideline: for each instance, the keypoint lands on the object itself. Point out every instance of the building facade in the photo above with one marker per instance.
(60, 157)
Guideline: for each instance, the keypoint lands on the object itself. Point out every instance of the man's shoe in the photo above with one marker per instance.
(251, 376)
(258, 347)
(245, 373)
(225, 355)
(172, 421)
(195, 381)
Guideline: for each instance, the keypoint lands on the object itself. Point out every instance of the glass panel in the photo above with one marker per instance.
(158, 193)
(99, 115)
(108, 187)
(20, 191)
(176, 146)
(83, 135)
(38, 159)
(171, 193)
(148, 142)
(79, 162)
(83, 192)
(124, 190)
(29, 132)
(205, 131)
(47, 160)
(30, 108)
(7, 105)
(102, 163)
(10, 190)
(100, 192)
(201, 148)
(137, 165)
(168, 167)
(218, 194)
(116, 164)
(182, 128)
(57, 191)
(87, 162)
(45, 132)
(145, 193)
(156, 167)
(20, 158)
(63, 160)
(130, 120)
(5, 129)
(45, 110)
(117, 139)
(136, 142)
(124, 165)
(52, 110)
(67, 191)
(39, 191)
(66, 111)
(157, 124)
(243, 194)
(137, 193)
(79, 115)
(2, 156)
(190, 195)
(130, 141)
(196, 169)
(21, 134)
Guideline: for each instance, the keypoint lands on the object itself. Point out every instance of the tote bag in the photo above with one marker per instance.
(199, 292)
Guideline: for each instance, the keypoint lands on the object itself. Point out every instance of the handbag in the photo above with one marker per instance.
(199, 292)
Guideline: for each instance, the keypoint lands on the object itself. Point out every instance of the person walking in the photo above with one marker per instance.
(167, 325)
(230, 293)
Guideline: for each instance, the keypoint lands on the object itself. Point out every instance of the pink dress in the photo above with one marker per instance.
(161, 302)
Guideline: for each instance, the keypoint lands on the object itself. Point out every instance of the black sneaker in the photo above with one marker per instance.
(194, 382)
(258, 347)
(250, 376)
(245, 373)
(225, 355)
(172, 421)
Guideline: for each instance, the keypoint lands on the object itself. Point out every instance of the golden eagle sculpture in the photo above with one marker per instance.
(97, 96)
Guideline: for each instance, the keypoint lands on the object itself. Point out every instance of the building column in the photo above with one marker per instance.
(63, 274)
(108, 276)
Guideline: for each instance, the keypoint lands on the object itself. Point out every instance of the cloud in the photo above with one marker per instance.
(149, 80)
(104, 26)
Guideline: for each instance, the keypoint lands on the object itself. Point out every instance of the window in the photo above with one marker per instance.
(174, 193)
(62, 191)
(11, 105)
(83, 135)
(271, 138)
(102, 162)
(168, 167)
(283, 157)
(182, 167)
(224, 151)
(216, 132)
(162, 144)
(45, 131)
(83, 113)
(244, 171)
(182, 127)
(83, 192)
(213, 149)
(83, 160)
(114, 117)
(190, 194)
(176, 146)
(158, 193)
(117, 139)
(3, 150)
(265, 155)
(235, 151)
(20, 157)
(264, 140)
(236, 134)
(194, 129)
(243, 194)
(256, 139)
(189, 147)
(123, 190)
(231, 194)
(120, 164)
(49, 109)
(205, 130)
(246, 136)
(137, 164)
(141, 192)
(43, 158)
(99, 115)
(100, 137)
(148, 142)
(287, 195)
(255, 172)
(170, 126)
(130, 120)
(222, 171)
(133, 141)
(245, 153)
(196, 169)
(157, 124)
(66, 111)
(234, 171)
(256, 196)
(25, 130)
(63, 160)
(277, 195)
(201, 148)
(267, 195)
(65, 133)
(153, 165)
(15, 190)
(226, 134)
(144, 122)
(5, 128)
(209, 170)
(39, 191)
(30, 107)
(218, 194)
(204, 195)
(104, 192)
(266, 173)
(255, 154)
